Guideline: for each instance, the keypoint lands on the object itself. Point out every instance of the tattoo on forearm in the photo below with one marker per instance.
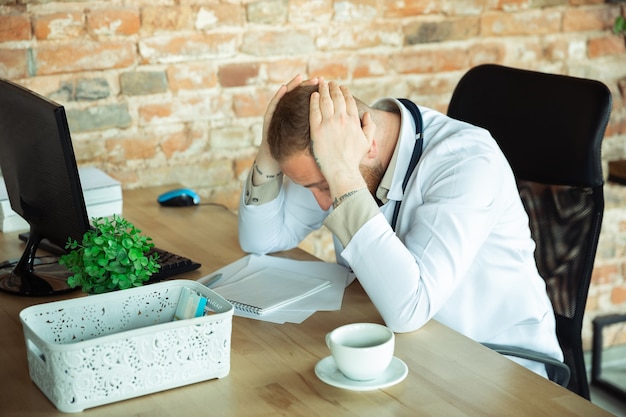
(341, 199)
(268, 176)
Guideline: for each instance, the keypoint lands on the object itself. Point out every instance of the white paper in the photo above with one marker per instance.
(328, 299)
(269, 289)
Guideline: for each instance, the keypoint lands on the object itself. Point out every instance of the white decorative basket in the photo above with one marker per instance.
(99, 349)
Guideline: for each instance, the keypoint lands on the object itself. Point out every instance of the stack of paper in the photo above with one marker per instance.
(279, 290)
(103, 194)
(103, 198)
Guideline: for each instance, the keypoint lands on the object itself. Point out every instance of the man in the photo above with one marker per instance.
(460, 250)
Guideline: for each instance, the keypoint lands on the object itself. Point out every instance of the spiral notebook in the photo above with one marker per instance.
(269, 289)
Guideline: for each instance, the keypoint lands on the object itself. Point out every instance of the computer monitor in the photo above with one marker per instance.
(39, 168)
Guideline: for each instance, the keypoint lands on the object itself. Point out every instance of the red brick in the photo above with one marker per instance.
(369, 35)
(239, 74)
(251, 105)
(191, 76)
(534, 22)
(62, 25)
(371, 66)
(486, 52)
(242, 166)
(335, 68)
(604, 274)
(218, 172)
(512, 5)
(233, 137)
(277, 42)
(150, 112)
(14, 27)
(355, 10)
(13, 63)
(50, 85)
(614, 127)
(465, 7)
(557, 49)
(183, 109)
(413, 62)
(525, 53)
(593, 303)
(89, 150)
(433, 86)
(220, 14)
(618, 295)
(83, 56)
(410, 8)
(284, 70)
(175, 142)
(609, 45)
(132, 148)
(166, 18)
(179, 48)
(449, 59)
(118, 21)
(577, 20)
(306, 11)
(619, 124)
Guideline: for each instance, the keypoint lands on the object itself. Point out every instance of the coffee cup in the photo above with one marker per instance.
(362, 351)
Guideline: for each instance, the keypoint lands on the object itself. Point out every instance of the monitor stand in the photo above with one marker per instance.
(25, 279)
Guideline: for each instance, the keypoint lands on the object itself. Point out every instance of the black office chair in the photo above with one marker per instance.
(550, 127)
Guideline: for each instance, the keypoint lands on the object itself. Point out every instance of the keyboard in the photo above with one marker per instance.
(171, 263)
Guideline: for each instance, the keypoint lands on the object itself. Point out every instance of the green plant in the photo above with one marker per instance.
(619, 27)
(111, 256)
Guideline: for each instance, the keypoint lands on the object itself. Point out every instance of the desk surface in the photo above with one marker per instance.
(272, 366)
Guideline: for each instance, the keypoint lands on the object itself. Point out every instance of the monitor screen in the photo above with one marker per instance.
(39, 168)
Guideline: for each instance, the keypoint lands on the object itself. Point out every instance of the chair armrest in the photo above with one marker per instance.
(558, 372)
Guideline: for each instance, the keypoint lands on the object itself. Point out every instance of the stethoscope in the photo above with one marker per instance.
(415, 156)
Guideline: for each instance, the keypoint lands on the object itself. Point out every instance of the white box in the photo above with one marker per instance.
(99, 349)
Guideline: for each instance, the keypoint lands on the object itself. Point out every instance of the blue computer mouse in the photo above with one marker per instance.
(179, 197)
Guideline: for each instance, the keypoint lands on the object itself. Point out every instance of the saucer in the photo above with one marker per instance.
(327, 371)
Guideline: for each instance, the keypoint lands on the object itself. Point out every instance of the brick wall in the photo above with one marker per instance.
(173, 91)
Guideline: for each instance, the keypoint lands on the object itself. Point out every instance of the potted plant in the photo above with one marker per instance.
(113, 255)
(619, 25)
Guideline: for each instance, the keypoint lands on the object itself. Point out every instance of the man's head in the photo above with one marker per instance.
(289, 140)
(288, 132)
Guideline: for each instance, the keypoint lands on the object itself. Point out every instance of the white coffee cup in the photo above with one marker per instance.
(362, 351)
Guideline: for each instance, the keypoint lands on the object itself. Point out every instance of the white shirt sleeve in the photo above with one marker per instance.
(279, 224)
(450, 209)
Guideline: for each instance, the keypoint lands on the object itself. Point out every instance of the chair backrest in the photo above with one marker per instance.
(550, 127)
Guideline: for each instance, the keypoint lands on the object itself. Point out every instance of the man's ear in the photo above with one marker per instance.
(373, 151)
(369, 130)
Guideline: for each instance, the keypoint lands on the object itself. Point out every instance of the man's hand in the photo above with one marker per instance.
(265, 168)
(340, 139)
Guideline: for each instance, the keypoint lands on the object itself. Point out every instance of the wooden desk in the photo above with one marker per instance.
(272, 365)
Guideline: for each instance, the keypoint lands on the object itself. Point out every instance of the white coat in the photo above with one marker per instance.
(461, 254)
